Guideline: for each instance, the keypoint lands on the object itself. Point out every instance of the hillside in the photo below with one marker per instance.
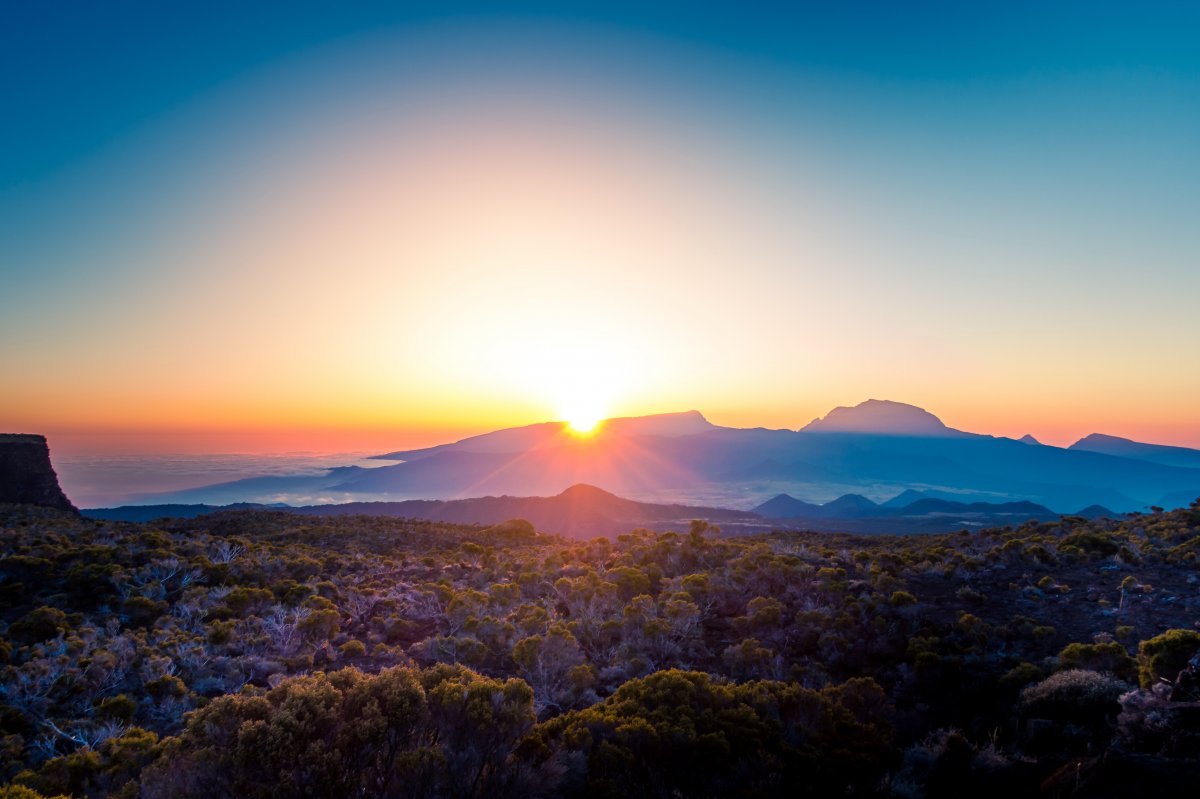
(987, 664)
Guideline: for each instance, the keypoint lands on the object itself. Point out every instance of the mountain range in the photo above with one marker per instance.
(584, 511)
(877, 449)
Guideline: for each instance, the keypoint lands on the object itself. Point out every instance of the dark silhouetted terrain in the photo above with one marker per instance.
(26, 475)
(584, 511)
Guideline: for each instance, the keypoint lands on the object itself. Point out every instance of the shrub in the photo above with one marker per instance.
(1067, 693)
(705, 737)
(353, 648)
(21, 792)
(445, 731)
(118, 708)
(38, 625)
(1021, 675)
(1107, 657)
(1081, 706)
(1164, 656)
(142, 611)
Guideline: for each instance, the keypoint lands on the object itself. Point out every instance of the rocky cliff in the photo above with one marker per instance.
(26, 476)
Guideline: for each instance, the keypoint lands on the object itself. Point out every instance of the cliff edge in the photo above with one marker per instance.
(26, 476)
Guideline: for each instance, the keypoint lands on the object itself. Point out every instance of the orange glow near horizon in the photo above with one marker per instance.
(313, 436)
(1054, 425)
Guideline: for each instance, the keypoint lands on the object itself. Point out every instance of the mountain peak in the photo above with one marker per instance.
(586, 491)
(1100, 439)
(785, 506)
(1183, 457)
(881, 417)
(849, 503)
(1029, 439)
(660, 424)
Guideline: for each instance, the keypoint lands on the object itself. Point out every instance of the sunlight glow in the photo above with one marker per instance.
(583, 423)
(581, 407)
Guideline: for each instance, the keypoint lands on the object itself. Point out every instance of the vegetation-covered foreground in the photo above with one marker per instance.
(253, 654)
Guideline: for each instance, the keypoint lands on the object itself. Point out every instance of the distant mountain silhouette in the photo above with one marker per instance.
(856, 506)
(579, 511)
(877, 449)
(549, 434)
(1028, 510)
(1028, 439)
(847, 506)
(851, 506)
(784, 507)
(1127, 448)
(1095, 512)
(685, 423)
(584, 511)
(906, 497)
(881, 417)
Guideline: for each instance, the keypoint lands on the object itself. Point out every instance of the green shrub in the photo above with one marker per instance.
(353, 649)
(1164, 656)
(1109, 657)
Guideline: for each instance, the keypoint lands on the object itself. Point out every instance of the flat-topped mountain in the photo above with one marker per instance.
(550, 434)
(881, 417)
(26, 475)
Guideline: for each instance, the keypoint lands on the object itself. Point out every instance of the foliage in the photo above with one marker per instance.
(685, 733)
(445, 731)
(1164, 656)
(250, 652)
(1108, 657)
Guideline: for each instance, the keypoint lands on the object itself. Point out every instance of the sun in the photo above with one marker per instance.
(582, 415)
(583, 424)
(581, 380)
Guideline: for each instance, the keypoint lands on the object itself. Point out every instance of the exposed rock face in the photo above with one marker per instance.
(26, 476)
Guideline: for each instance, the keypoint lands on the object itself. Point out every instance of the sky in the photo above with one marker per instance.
(344, 226)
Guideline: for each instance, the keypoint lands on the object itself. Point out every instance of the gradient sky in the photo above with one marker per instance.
(349, 225)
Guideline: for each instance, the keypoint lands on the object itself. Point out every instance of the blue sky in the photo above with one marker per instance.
(79, 75)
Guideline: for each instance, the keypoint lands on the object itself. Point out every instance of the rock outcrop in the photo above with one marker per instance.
(26, 476)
